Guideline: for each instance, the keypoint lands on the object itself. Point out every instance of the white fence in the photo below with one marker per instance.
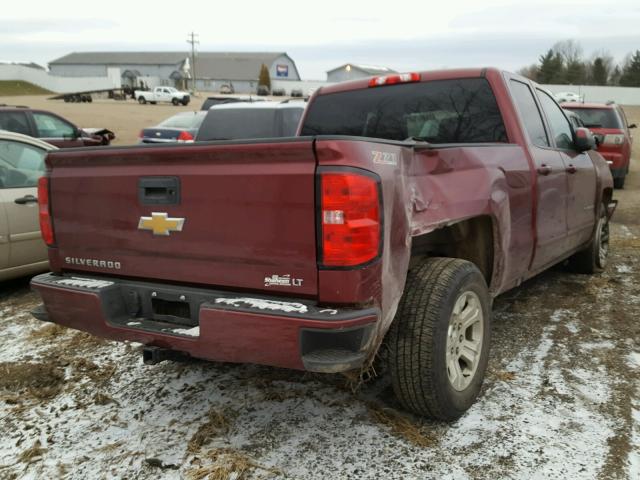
(59, 84)
(621, 95)
(307, 86)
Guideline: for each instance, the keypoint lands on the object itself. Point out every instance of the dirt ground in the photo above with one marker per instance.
(561, 398)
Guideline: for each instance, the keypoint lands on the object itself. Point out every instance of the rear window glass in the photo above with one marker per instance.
(243, 123)
(598, 117)
(14, 122)
(184, 120)
(443, 111)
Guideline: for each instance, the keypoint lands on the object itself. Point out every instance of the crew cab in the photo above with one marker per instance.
(609, 125)
(162, 94)
(403, 207)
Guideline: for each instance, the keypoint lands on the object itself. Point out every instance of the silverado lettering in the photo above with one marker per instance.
(490, 185)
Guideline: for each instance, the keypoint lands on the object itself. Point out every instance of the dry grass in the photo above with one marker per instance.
(228, 464)
(42, 381)
(31, 454)
(401, 426)
(505, 376)
(218, 423)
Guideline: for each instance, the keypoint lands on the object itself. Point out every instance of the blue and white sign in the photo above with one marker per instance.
(282, 70)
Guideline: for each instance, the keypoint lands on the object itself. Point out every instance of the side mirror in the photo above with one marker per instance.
(633, 125)
(583, 139)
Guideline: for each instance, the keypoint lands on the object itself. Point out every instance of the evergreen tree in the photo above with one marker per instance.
(264, 78)
(631, 73)
(575, 73)
(599, 73)
(614, 79)
(551, 68)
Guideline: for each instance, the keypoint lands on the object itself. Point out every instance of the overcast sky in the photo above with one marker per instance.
(322, 34)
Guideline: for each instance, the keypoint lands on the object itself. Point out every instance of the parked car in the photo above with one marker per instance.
(407, 203)
(568, 97)
(278, 92)
(51, 128)
(211, 101)
(181, 128)
(611, 129)
(234, 121)
(163, 94)
(227, 89)
(263, 90)
(22, 251)
(297, 93)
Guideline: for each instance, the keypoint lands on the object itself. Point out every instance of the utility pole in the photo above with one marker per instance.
(193, 40)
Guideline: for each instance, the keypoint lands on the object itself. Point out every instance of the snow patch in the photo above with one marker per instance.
(634, 359)
(134, 324)
(191, 332)
(624, 269)
(84, 282)
(262, 304)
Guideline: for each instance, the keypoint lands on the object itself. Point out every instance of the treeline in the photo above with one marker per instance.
(564, 63)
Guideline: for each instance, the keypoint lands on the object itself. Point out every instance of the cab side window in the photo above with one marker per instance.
(52, 127)
(20, 164)
(560, 126)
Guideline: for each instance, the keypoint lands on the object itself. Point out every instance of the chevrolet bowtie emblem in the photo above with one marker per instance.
(161, 224)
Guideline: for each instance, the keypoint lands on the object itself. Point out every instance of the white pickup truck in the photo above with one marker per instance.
(162, 94)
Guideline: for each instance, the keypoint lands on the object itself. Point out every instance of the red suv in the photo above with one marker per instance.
(611, 129)
(51, 128)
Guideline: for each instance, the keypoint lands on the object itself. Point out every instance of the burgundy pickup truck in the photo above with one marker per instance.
(404, 206)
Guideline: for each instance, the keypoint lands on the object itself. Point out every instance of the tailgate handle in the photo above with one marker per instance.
(159, 190)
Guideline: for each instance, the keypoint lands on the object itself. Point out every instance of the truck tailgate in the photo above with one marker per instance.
(248, 211)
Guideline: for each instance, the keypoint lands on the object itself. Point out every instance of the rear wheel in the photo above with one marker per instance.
(439, 342)
(619, 182)
(142, 100)
(175, 101)
(593, 259)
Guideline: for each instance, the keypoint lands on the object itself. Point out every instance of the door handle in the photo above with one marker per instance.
(26, 199)
(544, 169)
(571, 168)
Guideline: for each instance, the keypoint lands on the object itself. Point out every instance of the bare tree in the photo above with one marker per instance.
(570, 50)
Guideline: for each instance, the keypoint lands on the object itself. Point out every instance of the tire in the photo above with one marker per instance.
(422, 373)
(185, 102)
(175, 102)
(153, 103)
(619, 182)
(142, 100)
(593, 259)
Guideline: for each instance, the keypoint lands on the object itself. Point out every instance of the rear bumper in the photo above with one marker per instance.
(220, 325)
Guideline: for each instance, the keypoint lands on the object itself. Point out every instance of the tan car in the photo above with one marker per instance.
(22, 251)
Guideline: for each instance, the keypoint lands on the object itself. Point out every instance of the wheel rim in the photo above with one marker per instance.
(464, 340)
(603, 242)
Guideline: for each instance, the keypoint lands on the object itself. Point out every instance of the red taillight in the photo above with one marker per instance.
(141, 134)
(44, 212)
(394, 79)
(350, 219)
(185, 137)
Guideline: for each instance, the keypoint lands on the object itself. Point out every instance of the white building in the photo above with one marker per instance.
(213, 69)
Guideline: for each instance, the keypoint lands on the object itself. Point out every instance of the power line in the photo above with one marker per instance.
(193, 40)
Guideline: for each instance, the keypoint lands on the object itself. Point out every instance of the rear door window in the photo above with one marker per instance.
(529, 113)
(20, 164)
(14, 122)
(442, 111)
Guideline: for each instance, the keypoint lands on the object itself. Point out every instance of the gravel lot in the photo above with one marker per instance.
(561, 399)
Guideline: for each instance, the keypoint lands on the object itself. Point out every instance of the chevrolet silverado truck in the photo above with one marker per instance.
(162, 94)
(403, 207)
